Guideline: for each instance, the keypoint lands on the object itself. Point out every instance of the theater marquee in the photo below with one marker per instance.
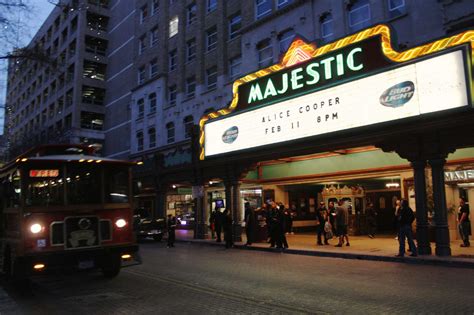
(357, 81)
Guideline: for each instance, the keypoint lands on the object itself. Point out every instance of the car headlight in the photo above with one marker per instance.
(36, 228)
(120, 223)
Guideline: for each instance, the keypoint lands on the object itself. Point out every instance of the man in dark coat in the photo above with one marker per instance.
(321, 217)
(227, 225)
(218, 218)
(406, 219)
(249, 223)
(171, 226)
(371, 220)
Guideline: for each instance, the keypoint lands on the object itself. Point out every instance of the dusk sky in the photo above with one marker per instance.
(40, 10)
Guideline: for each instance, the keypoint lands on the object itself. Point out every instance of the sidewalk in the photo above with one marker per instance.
(7, 305)
(383, 248)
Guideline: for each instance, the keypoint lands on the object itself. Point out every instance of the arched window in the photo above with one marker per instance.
(151, 137)
(140, 141)
(188, 122)
(170, 132)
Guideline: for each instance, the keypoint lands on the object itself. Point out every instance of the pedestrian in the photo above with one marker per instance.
(396, 220)
(250, 223)
(321, 218)
(227, 225)
(281, 230)
(371, 220)
(332, 216)
(218, 218)
(288, 218)
(342, 220)
(171, 226)
(406, 218)
(212, 223)
(274, 220)
(464, 222)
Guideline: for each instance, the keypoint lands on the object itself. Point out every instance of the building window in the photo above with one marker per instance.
(191, 50)
(152, 102)
(283, 3)
(141, 75)
(396, 8)
(188, 126)
(234, 67)
(173, 57)
(140, 141)
(211, 5)
(285, 38)
(143, 14)
(155, 5)
(359, 15)
(141, 45)
(211, 78)
(170, 132)
(262, 8)
(141, 108)
(191, 13)
(151, 137)
(211, 39)
(235, 23)
(190, 87)
(154, 36)
(265, 53)
(172, 95)
(327, 28)
(153, 68)
(174, 23)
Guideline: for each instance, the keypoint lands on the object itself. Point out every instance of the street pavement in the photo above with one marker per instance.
(200, 279)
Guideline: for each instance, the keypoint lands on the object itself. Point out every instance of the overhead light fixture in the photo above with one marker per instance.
(392, 185)
(174, 186)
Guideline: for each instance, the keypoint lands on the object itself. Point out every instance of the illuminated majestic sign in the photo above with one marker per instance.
(357, 81)
(44, 173)
(459, 176)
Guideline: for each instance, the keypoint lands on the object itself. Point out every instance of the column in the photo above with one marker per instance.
(200, 229)
(422, 232)
(441, 211)
(236, 212)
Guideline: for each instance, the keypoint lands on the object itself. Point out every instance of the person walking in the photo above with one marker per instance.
(274, 226)
(171, 225)
(332, 216)
(371, 220)
(227, 225)
(406, 218)
(342, 220)
(321, 218)
(212, 223)
(218, 218)
(464, 222)
(281, 230)
(250, 223)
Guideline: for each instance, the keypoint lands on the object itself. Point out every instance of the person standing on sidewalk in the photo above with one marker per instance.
(322, 217)
(406, 218)
(250, 223)
(171, 225)
(342, 220)
(212, 224)
(227, 225)
(218, 218)
(464, 223)
(371, 220)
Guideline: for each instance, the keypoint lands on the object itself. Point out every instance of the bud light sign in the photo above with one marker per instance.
(398, 95)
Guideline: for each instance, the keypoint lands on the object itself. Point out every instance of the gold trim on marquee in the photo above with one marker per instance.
(300, 51)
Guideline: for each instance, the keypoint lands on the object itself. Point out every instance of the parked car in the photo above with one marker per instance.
(185, 220)
(145, 226)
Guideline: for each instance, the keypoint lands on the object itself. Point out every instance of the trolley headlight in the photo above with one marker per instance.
(36, 228)
(120, 223)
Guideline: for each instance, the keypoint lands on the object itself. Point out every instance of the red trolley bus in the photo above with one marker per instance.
(61, 206)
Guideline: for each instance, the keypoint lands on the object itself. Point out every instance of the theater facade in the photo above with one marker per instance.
(356, 119)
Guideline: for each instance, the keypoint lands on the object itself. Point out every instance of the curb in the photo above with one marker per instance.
(420, 260)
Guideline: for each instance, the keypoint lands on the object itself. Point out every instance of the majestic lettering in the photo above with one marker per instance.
(311, 74)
